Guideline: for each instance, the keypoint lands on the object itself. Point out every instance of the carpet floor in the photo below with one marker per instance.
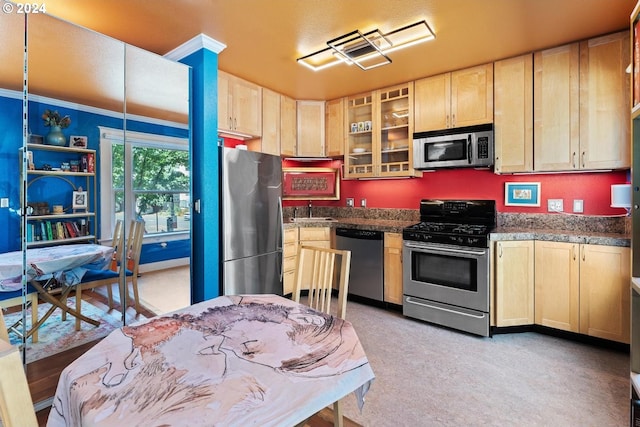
(432, 376)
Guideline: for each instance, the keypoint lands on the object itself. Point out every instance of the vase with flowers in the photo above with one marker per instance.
(56, 122)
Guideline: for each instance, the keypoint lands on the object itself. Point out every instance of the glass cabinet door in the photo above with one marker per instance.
(396, 130)
(360, 156)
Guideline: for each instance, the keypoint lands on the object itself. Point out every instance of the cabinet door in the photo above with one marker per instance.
(604, 102)
(556, 109)
(394, 131)
(605, 274)
(335, 128)
(514, 285)
(472, 96)
(225, 121)
(393, 268)
(288, 126)
(359, 159)
(557, 285)
(247, 107)
(432, 103)
(310, 129)
(513, 92)
(270, 122)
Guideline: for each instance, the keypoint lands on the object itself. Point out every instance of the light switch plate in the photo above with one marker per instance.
(4, 202)
(363, 203)
(350, 202)
(578, 206)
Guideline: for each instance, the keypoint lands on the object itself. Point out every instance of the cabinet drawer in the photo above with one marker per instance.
(317, 243)
(288, 281)
(290, 249)
(289, 263)
(314, 233)
(291, 235)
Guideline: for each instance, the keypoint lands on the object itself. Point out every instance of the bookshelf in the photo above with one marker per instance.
(61, 196)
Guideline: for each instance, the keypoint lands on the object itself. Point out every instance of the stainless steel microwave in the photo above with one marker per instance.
(467, 147)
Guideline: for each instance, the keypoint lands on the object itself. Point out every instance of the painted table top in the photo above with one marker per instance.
(66, 262)
(259, 360)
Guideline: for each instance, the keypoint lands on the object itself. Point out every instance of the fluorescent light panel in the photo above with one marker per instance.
(368, 50)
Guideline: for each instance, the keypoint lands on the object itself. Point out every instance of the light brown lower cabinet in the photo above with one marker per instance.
(514, 283)
(583, 288)
(290, 256)
(393, 268)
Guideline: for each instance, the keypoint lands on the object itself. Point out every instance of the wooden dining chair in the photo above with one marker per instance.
(14, 298)
(107, 277)
(16, 405)
(133, 248)
(323, 272)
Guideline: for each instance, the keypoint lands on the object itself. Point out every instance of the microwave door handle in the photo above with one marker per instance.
(469, 152)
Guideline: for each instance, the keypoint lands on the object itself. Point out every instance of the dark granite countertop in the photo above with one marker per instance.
(568, 236)
(611, 231)
(385, 225)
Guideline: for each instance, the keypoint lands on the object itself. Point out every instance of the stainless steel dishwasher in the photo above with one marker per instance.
(367, 261)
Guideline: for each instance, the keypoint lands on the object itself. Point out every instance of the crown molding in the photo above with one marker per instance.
(201, 41)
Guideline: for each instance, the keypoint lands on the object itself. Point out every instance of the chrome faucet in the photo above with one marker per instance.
(310, 213)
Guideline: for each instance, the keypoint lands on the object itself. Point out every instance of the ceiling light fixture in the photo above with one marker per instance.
(367, 50)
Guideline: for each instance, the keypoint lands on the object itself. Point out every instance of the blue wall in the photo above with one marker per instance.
(82, 123)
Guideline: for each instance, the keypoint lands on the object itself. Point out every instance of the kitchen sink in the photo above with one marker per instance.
(312, 219)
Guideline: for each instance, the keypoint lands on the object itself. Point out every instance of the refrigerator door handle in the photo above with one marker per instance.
(281, 245)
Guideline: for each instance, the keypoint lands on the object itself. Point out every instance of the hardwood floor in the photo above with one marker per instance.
(43, 374)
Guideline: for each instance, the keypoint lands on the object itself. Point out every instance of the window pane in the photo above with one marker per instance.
(160, 169)
(162, 212)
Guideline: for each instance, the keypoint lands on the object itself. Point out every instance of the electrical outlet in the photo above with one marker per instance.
(578, 206)
(363, 203)
(350, 202)
(555, 205)
(4, 202)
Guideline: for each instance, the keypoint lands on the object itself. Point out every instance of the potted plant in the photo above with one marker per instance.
(56, 122)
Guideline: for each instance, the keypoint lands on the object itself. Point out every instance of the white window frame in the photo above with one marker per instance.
(108, 137)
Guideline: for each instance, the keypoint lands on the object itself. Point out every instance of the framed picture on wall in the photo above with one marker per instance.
(76, 141)
(522, 194)
(79, 200)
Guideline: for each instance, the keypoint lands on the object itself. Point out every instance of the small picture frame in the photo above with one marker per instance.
(79, 200)
(522, 194)
(78, 141)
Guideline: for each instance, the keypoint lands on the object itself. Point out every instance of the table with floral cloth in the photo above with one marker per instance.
(65, 263)
(250, 360)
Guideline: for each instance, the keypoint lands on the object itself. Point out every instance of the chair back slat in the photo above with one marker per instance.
(316, 272)
(16, 405)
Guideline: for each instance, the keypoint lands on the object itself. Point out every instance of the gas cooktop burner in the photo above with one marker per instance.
(454, 222)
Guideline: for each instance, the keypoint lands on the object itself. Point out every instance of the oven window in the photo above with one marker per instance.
(450, 150)
(445, 270)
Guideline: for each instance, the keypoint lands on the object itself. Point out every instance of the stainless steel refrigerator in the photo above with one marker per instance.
(251, 222)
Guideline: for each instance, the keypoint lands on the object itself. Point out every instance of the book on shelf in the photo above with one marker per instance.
(70, 229)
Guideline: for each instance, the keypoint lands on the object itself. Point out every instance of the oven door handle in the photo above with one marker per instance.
(412, 301)
(444, 249)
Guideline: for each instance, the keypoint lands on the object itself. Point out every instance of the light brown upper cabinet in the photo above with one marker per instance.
(604, 102)
(310, 141)
(335, 126)
(513, 124)
(270, 122)
(239, 107)
(457, 99)
(379, 134)
(581, 108)
(288, 126)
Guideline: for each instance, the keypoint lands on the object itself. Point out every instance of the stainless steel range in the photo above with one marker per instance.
(446, 264)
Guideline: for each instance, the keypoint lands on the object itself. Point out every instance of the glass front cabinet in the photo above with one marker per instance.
(380, 134)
